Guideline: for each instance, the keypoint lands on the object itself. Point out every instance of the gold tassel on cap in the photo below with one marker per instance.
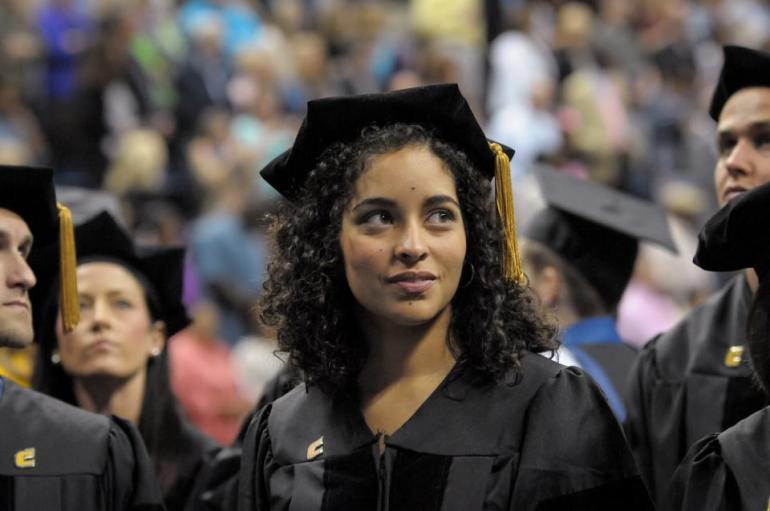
(504, 199)
(70, 304)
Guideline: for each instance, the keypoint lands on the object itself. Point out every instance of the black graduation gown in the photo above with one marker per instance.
(81, 461)
(545, 440)
(680, 388)
(729, 471)
(193, 470)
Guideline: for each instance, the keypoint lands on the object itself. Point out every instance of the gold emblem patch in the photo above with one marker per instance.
(315, 449)
(734, 356)
(25, 458)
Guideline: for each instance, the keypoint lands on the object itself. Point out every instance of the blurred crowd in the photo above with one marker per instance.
(166, 110)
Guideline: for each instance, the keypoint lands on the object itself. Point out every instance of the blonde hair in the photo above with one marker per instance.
(139, 164)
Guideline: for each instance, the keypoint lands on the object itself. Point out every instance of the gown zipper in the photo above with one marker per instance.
(382, 490)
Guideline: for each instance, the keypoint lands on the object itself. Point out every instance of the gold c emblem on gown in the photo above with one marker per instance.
(315, 449)
(25, 458)
(734, 356)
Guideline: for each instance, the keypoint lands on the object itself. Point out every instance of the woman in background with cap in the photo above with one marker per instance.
(114, 362)
(401, 302)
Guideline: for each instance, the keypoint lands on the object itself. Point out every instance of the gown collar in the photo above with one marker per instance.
(461, 416)
(592, 330)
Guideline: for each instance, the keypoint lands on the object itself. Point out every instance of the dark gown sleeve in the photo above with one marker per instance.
(256, 465)
(637, 404)
(703, 481)
(220, 492)
(129, 472)
(655, 422)
(276, 388)
(573, 454)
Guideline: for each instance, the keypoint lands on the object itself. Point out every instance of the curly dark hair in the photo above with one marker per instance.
(307, 298)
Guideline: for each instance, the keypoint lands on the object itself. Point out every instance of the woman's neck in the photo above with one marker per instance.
(112, 396)
(404, 353)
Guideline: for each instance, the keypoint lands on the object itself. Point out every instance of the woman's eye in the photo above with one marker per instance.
(123, 304)
(441, 216)
(377, 218)
(84, 305)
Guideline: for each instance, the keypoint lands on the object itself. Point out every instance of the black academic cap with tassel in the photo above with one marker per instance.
(439, 108)
(29, 192)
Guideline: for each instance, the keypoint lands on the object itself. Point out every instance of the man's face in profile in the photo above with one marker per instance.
(16, 278)
(743, 142)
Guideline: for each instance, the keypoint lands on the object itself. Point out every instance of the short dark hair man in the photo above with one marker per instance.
(54, 456)
(694, 379)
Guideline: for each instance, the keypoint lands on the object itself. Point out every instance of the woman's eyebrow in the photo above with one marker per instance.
(375, 201)
(440, 199)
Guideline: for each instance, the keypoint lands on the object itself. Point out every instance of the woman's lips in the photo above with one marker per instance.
(412, 282)
(101, 346)
(414, 286)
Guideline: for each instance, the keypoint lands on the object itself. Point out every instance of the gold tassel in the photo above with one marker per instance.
(504, 199)
(70, 304)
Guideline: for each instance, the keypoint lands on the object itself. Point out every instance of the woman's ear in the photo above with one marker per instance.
(157, 337)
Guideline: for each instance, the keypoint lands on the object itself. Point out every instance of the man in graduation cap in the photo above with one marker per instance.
(53, 456)
(694, 379)
(579, 255)
(731, 470)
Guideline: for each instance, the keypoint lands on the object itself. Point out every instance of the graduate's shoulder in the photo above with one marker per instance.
(705, 329)
(308, 403)
(748, 439)
(59, 437)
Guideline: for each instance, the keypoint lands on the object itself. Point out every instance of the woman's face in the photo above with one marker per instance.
(115, 336)
(403, 237)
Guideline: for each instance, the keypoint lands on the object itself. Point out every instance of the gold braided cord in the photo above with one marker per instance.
(504, 199)
(70, 304)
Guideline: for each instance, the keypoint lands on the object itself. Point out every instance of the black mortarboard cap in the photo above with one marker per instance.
(441, 109)
(29, 192)
(101, 238)
(596, 229)
(738, 235)
(742, 67)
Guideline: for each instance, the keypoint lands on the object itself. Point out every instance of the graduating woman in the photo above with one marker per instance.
(53, 456)
(399, 297)
(731, 470)
(115, 362)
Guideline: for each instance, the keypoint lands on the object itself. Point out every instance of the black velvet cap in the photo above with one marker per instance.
(738, 235)
(29, 192)
(596, 229)
(439, 108)
(742, 67)
(101, 238)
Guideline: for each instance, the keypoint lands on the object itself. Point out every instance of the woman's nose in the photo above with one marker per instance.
(411, 245)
